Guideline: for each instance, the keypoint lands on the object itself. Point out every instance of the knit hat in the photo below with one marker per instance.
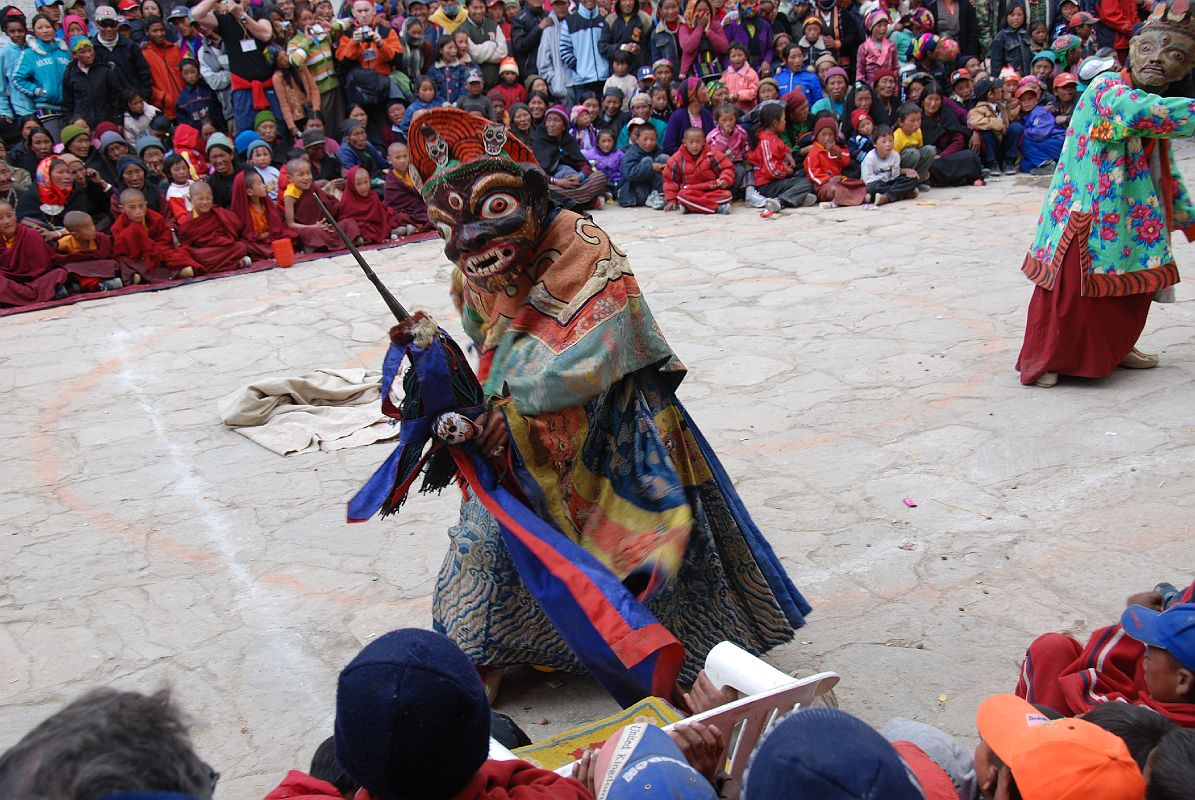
(824, 58)
(823, 123)
(265, 115)
(875, 18)
(614, 91)
(840, 72)
(885, 73)
(948, 50)
(769, 81)
(412, 720)
(922, 18)
(256, 143)
(925, 45)
(508, 64)
(146, 142)
(859, 114)
(1009, 75)
(243, 139)
(70, 133)
(815, 21)
(79, 42)
(219, 140)
(110, 137)
(661, 62)
(575, 112)
(827, 754)
(644, 97)
(559, 111)
(127, 161)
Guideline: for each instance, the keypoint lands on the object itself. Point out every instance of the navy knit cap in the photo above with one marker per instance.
(412, 720)
(827, 754)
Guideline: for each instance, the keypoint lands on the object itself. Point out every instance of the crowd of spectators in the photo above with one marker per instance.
(412, 721)
(144, 143)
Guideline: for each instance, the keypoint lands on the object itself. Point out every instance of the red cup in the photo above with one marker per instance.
(284, 252)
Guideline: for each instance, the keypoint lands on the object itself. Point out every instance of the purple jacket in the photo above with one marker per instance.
(736, 33)
(609, 163)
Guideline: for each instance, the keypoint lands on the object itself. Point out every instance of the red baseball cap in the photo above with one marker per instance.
(1062, 759)
(127, 5)
(1082, 18)
(1065, 79)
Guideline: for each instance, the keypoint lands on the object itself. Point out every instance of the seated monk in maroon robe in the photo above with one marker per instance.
(86, 254)
(212, 234)
(303, 213)
(27, 271)
(400, 194)
(141, 236)
(360, 205)
(261, 221)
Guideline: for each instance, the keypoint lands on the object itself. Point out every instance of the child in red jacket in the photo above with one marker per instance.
(697, 177)
(824, 164)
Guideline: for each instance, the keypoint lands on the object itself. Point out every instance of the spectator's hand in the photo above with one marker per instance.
(295, 135)
(583, 771)
(836, 179)
(493, 437)
(670, 207)
(6, 119)
(545, 23)
(976, 142)
(657, 166)
(909, 173)
(570, 181)
(92, 175)
(704, 696)
(702, 746)
(1151, 599)
(721, 184)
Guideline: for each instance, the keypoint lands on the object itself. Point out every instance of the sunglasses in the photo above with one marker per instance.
(107, 24)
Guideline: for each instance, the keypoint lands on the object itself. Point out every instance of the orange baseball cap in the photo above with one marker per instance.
(1063, 759)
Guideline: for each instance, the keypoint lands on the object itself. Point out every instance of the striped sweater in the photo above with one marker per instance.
(317, 55)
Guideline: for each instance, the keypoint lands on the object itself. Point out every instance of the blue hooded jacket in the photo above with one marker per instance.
(579, 39)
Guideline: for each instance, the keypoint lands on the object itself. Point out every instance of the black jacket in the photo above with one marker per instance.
(94, 95)
(553, 152)
(525, 34)
(130, 65)
(621, 30)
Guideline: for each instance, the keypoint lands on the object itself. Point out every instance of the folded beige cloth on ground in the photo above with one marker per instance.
(328, 409)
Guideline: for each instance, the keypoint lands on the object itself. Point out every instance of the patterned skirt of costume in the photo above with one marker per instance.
(729, 584)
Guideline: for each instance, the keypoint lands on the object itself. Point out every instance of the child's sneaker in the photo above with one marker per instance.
(724, 208)
(753, 198)
(808, 200)
(111, 284)
(771, 204)
(655, 201)
(1011, 169)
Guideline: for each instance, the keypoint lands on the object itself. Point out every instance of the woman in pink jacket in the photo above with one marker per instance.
(703, 43)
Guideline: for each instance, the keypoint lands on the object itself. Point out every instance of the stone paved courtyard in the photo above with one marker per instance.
(840, 361)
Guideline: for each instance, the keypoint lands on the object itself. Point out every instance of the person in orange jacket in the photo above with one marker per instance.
(371, 46)
(163, 58)
(697, 177)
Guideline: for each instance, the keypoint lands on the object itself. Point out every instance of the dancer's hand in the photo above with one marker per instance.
(702, 745)
(493, 437)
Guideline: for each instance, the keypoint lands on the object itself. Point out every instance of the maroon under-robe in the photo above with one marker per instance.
(214, 240)
(92, 266)
(27, 271)
(406, 203)
(1086, 337)
(307, 212)
(260, 244)
(374, 220)
(149, 247)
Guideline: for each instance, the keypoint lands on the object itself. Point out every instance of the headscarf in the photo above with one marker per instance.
(129, 161)
(412, 49)
(922, 18)
(876, 17)
(794, 101)
(79, 41)
(375, 220)
(77, 20)
(1063, 46)
(240, 207)
(53, 197)
(924, 46)
(687, 91)
(948, 50)
(691, 12)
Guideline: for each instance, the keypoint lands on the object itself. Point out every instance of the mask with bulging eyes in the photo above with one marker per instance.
(490, 215)
(454, 429)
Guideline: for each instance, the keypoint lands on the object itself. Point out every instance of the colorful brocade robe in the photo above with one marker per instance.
(1116, 193)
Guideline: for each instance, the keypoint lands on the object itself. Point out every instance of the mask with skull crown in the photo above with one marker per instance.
(485, 194)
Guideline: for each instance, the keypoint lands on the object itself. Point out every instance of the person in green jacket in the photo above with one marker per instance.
(1102, 249)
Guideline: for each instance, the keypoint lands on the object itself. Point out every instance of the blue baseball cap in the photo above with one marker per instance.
(641, 761)
(644, 73)
(1173, 630)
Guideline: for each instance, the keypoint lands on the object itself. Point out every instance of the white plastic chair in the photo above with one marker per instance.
(769, 694)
